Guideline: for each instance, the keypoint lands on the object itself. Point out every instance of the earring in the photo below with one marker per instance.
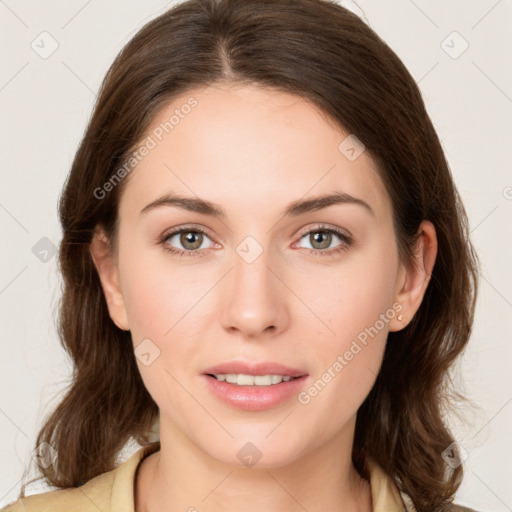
(399, 318)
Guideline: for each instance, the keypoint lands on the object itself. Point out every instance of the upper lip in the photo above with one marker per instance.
(248, 368)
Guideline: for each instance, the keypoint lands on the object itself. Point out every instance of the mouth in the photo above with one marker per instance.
(254, 386)
(245, 373)
(242, 379)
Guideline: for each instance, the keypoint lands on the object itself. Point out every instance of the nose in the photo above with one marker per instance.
(255, 299)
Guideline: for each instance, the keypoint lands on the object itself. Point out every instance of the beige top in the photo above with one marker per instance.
(113, 491)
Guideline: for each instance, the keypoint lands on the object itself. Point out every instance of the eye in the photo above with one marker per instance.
(321, 238)
(191, 239)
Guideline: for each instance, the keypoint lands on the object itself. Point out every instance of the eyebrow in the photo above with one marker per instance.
(296, 208)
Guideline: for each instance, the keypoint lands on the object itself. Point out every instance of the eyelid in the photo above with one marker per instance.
(186, 227)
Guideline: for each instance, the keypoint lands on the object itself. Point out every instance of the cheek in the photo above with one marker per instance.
(357, 306)
(352, 296)
(166, 316)
(347, 363)
(160, 310)
(158, 297)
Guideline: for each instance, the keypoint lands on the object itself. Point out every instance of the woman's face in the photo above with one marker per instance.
(259, 285)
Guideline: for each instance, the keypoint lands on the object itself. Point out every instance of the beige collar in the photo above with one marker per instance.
(385, 494)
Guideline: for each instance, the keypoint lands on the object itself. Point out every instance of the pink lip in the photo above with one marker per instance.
(264, 368)
(254, 398)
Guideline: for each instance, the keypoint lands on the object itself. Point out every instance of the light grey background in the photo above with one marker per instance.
(46, 102)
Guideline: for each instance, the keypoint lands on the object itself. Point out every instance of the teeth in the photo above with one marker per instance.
(251, 380)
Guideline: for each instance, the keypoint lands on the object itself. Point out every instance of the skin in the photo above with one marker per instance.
(253, 151)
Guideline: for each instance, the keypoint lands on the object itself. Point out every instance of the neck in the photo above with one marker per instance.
(181, 476)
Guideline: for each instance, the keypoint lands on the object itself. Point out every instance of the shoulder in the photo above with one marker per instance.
(449, 507)
(459, 508)
(109, 492)
(92, 496)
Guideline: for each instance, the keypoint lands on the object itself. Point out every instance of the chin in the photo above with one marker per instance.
(257, 449)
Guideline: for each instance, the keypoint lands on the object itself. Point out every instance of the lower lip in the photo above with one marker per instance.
(255, 398)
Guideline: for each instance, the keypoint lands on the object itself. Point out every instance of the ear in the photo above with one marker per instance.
(108, 272)
(413, 280)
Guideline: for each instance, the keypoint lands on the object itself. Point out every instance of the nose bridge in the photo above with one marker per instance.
(251, 265)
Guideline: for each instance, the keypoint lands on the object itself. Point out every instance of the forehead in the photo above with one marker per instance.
(248, 146)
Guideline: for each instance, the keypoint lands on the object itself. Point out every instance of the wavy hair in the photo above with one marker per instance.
(327, 55)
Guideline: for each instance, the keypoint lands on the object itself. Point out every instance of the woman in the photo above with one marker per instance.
(264, 254)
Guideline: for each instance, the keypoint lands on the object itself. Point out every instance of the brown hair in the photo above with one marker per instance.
(327, 55)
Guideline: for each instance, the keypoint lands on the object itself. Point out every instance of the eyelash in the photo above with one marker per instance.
(346, 241)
